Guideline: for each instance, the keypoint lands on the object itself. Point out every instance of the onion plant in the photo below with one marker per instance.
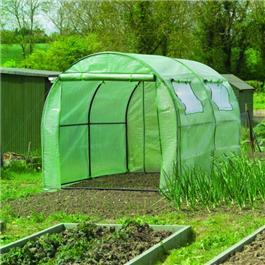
(234, 180)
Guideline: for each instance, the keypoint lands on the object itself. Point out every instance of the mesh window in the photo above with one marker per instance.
(220, 96)
(185, 93)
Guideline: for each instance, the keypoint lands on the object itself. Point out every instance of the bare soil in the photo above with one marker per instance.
(103, 204)
(252, 254)
(106, 204)
(87, 244)
(130, 180)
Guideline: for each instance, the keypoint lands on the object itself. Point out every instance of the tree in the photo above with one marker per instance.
(22, 16)
(255, 60)
(73, 17)
(134, 26)
(58, 13)
(176, 29)
(223, 32)
(145, 26)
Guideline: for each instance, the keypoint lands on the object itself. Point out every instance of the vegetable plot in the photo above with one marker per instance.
(87, 244)
(235, 180)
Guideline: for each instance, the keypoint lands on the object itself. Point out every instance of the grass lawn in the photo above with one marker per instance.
(11, 54)
(215, 231)
(17, 185)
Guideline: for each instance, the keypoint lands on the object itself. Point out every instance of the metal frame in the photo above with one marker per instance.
(90, 123)
(144, 130)
(112, 189)
(88, 128)
(126, 124)
(106, 76)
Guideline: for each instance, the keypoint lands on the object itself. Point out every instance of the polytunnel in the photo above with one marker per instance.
(116, 112)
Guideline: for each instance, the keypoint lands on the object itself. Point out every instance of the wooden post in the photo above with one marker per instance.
(251, 134)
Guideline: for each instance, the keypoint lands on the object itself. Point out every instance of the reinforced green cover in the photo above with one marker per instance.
(115, 113)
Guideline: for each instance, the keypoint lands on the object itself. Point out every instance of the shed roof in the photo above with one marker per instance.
(28, 72)
(237, 82)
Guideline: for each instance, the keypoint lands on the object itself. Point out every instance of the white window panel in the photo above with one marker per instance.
(220, 96)
(185, 93)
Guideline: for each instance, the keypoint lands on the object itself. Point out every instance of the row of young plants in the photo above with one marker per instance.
(234, 180)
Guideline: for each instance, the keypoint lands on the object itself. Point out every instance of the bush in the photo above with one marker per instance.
(259, 100)
(63, 52)
(10, 63)
(258, 85)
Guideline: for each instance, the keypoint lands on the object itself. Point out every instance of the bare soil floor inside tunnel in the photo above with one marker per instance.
(101, 203)
(122, 181)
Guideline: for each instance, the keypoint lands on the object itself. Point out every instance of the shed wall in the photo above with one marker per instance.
(22, 99)
(244, 97)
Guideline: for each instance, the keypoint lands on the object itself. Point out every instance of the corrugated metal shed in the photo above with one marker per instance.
(244, 93)
(23, 93)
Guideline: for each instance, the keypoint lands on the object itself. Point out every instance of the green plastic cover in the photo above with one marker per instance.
(114, 113)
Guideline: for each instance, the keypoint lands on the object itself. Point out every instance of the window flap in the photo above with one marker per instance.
(220, 95)
(185, 93)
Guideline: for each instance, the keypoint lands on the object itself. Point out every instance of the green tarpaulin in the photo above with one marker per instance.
(116, 112)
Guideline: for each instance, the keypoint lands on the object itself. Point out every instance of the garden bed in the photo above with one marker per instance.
(87, 243)
(250, 250)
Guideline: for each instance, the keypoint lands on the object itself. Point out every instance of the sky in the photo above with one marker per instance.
(42, 20)
(46, 24)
